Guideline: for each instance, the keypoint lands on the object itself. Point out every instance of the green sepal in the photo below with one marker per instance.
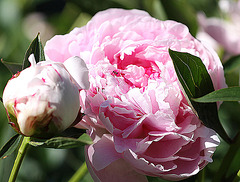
(35, 48)
(12, 118)
(62, 142)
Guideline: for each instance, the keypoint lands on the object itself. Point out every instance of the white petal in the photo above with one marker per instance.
(78, 70)
(32, 60)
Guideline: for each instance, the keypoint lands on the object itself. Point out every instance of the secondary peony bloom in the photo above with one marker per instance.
(224, 31)
(44, 98)
(136, 114)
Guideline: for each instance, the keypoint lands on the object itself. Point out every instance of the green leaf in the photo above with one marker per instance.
(10, 146)
(85, 138)
(196, 82)
(62, 142)
(181, 11)
(35, 48)
(12, 67)
(72, 132)
(155, 8)
(225, 94)
(233, 64)
(231, 71)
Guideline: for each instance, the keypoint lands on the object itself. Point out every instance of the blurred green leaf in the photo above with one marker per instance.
(4, 76)
(155, 8)
(182, 11)
(225, 94)
(232, 64)
(210, 8)
(81, 20)
(10, 146)
(72, 132)
(196, 82)
(13, 67)
(126, 3)
(231, 71)
(35, 48)
(62, 142)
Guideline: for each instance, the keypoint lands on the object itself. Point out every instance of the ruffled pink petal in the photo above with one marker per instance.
(57, 49)
(170, 170)
(117, 171)
(102, 153)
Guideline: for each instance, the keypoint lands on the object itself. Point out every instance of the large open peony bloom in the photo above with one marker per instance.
(136, 114)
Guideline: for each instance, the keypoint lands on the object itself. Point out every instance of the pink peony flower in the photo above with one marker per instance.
(136, 114)
(224, 31)
(44, 98)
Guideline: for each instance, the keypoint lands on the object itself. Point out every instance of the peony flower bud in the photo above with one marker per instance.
(43, 99)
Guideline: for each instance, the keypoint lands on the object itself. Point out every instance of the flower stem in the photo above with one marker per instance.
(228, 158)
(237, 177)
(80, 173)
(201, 176)
(18, 161)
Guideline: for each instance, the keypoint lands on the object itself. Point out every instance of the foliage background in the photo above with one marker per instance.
(21, 20)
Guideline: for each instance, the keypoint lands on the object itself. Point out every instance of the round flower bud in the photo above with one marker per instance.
(43, 99)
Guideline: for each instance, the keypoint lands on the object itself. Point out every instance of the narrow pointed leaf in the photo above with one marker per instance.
(62, 142)
(225, 94)
(10, 146)
(35, 48)
(196, 82)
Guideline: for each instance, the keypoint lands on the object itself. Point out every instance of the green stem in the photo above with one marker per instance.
(18, 161)
(80, 173)
(237, 177)
(201, 176)
(227, 160)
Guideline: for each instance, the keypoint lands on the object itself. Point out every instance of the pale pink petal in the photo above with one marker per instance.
(57, 49)
(78, 70)
(102, 153)
(117, 171)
